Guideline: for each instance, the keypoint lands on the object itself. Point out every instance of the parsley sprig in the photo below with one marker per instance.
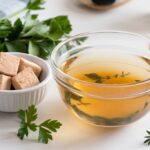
(147, 138)
(27, 123)
(35, 5)
(32, 35)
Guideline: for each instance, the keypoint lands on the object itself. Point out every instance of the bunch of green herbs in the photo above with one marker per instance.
(32, 35)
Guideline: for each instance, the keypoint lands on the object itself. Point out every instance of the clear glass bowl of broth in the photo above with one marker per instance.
(104, 77)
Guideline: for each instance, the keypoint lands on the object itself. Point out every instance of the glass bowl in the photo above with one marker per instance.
(104, 77)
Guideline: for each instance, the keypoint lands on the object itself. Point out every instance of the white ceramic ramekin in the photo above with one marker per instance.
(14, 100)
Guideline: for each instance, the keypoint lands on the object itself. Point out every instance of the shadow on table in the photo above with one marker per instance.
(8, 125)
(7, 117)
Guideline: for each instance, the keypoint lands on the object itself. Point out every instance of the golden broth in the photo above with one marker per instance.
(111, 106)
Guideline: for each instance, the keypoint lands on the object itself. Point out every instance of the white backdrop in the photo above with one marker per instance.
(74, 134)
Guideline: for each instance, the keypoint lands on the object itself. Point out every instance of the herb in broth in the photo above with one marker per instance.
(106, 121)
(137, 80)
(101, 79)
(146, 105)
(69, 96)
(99, 120)
(94, 76)
(123, 74)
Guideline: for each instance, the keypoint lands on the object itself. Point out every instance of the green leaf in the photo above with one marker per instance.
(46, 47)
(39, 30)
(147, 138)
(64, 23)
(22, 115)
(26, 118)
(5, 28)
(31, 114)
(34, 49)
(41, 48)
(32, 126)
(51, 125)
(23, 131)
(2, 47)
(35, 4)
(46, 128)
(148, 132)
(44, 135)
(59, 26)
(16, 46)
(30, 21)
(55, 32)
(146, 141)
(16, 30)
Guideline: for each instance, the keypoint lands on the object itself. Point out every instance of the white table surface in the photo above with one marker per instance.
(74, 134)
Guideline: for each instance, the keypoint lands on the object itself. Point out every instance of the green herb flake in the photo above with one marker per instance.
(123, 74)
(100, 120)
(137, 80)
(93, 76)
(101, 79)
(146, 104)
(116, 75)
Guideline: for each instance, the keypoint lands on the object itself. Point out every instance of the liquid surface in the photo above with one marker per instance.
(111, 68)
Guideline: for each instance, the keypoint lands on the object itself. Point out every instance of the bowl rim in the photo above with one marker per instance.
(55, 66)
(33, 88)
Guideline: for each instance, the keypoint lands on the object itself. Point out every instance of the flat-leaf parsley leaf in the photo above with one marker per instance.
(27, 123)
